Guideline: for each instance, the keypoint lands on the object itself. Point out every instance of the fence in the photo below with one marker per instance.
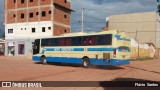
(139, 50)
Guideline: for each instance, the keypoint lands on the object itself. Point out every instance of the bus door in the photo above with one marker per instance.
(36, 47)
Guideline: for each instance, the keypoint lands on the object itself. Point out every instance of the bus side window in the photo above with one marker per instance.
(92, 40)
(76, 41)
(62, 42)
(50, 41)
(68, 41)
(87, 39)
(45, 42)
(54, 42)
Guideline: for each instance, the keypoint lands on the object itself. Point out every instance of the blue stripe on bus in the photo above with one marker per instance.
(79, 49)
(93, 61)
(101, 49)
(119, 38)
(60, 49)
(36, 58)
(82, 49)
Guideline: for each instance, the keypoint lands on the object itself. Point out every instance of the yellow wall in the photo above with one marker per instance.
(142, 52)
(136, 22)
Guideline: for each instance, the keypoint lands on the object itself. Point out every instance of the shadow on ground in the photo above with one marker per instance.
(143, 69)
(127, 84)
(90, 67)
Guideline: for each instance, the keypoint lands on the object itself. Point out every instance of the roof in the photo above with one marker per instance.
(62, 7)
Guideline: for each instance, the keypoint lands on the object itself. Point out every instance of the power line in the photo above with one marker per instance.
(143, 31)
(87, 22)
(133, 22)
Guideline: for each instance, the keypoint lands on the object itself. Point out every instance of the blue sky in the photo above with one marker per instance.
(96, 12)
(1, 17)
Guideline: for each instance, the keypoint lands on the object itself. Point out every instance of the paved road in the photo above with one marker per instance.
(24, 69)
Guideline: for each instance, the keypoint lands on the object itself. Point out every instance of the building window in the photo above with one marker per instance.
(14, 1)
(14, 15)
(43, 29)
(33, 30)
(31, 0)
(37, 13)
(49, 28)
(22, 1)
(10, 30)
(65, 1)
(65, 16)
(22, 15)
(31, 15)
(50, 12)
(65, 31)
(43, 13)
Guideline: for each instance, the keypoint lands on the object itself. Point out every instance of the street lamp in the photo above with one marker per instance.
(82, 19)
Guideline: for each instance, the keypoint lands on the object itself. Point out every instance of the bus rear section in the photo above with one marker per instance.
(122, 52)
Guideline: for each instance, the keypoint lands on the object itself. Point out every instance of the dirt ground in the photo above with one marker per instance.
(24, 69)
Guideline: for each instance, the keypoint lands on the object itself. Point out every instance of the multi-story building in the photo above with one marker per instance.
(144, 27)
(26, 20)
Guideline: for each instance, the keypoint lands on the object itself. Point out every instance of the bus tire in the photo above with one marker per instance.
(44, 60)
(86, 62)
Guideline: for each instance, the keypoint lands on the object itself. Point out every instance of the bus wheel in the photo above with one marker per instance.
(86, 62)
(43, 60)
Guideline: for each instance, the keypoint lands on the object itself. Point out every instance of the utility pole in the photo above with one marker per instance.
(82, 19)
(137, 42)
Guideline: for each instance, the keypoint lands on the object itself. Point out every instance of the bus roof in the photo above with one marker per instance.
(84, 34)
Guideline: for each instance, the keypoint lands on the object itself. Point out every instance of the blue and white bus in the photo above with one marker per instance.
(102, 48)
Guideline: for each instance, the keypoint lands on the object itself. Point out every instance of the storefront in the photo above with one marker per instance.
(2, 47)
(18, 47)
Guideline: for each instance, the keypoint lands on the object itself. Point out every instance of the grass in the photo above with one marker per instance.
(145, 58)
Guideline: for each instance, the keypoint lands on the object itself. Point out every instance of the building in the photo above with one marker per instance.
(2, 49)
(26, 20)
(143, 27)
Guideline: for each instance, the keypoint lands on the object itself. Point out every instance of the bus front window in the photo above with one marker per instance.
(123, 48)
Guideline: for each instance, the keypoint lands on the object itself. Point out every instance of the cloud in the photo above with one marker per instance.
(98, 10)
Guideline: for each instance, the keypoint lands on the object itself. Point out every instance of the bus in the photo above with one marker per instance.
(101, 48)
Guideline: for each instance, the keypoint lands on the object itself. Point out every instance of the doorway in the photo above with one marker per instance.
(21, 48)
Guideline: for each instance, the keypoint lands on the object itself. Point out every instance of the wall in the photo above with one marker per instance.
(27, 45)
(136, 22)
(24, 30)
(55, 16)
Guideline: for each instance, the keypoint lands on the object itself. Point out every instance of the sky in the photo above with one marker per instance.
(1, 17)
(96, 11)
